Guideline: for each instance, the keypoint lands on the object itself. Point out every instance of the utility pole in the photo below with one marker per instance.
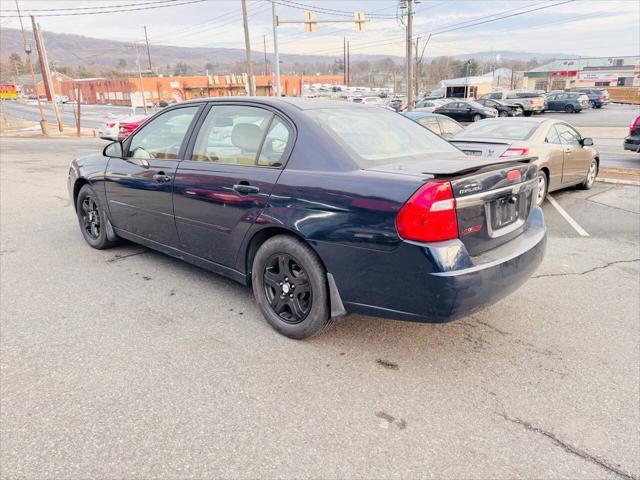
(144, 100)
(264, 44)
(348, 64)
(78, 94)
(275, 46)
(409, 49)
(146, 39)
(46, 72)
(44, 125)
(247, 45)
(416, 70)
(344, 60)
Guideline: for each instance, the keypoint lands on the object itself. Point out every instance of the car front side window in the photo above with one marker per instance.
(163, 136)
(568, 135)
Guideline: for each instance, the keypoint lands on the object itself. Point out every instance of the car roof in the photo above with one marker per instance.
(300, 103)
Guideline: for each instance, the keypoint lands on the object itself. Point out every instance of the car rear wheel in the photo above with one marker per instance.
(290, 286)
(528, 113)
(590, 179)
(503, 114)
(569, 109)
(477, 117)
(543, 187)
(592, 104)
(92, 219)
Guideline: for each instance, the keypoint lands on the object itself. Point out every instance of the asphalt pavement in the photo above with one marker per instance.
(125, 363)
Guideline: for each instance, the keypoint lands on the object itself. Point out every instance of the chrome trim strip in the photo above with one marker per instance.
(483, 197)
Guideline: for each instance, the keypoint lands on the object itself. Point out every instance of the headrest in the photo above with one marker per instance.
(246, 136)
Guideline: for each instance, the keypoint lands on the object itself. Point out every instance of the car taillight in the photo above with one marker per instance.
(430, 214)
(111, 125)
(515, 152)
(634, 125)
(601, 98)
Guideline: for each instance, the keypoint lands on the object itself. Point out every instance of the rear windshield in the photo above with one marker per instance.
(373, 136)
(509, 129)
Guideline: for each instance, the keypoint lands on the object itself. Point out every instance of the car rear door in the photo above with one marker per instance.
(139, 186)
(234, 160)
(576, 157)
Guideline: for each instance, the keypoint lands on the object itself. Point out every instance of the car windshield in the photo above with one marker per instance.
(509, 129)
(376, 137)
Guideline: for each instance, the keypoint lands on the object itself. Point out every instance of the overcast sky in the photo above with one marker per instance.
(582, 27)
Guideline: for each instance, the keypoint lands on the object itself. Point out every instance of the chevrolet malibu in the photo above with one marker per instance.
(323, 208)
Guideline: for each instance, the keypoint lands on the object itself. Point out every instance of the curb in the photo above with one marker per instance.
(618, 182)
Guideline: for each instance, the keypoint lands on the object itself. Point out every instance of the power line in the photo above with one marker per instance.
(304, 6)
(153, 7)
(61, 9)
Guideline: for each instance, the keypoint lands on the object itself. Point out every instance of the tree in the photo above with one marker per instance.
(16, 63)
(122, 64)
(462, 68)
(181, 69)
(338, 66)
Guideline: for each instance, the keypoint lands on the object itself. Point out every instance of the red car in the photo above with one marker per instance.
(632, 141)
(129, 125)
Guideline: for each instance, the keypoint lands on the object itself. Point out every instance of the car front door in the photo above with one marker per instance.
(139, 186)
(235, 159)
(552, 102)
(576, 158)
(554, 157)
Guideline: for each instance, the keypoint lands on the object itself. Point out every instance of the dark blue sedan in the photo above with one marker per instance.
(324, 208)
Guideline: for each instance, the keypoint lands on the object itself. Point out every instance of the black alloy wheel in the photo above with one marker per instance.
(287, 288)
(291, 287)
(92, 220)
(569, 109)
(91, 217)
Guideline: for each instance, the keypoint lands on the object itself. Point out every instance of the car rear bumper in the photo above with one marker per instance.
(441, 282)
(632, 142)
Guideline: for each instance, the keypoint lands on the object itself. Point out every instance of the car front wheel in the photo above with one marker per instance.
(92, 218)
(477, 117)
(590, 179)
(569, 109)
(290, 285)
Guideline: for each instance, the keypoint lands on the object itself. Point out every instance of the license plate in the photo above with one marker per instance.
(472, 153)
(505, 211)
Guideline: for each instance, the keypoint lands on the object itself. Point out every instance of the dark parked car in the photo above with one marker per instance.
(324, 208)
(570, 102)
(503, 108)
(632, 141)
(597, 97)
(444, 126)
(466, 111)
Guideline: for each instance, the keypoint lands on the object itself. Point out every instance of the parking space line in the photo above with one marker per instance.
(581, 231)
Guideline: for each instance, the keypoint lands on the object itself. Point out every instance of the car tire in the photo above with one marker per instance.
(592, 104)
(477, 117)
(590, 179)
(503, 113)
(569, 109)
(290, 286)
(92, 219)
(527, 113)
(543, 188)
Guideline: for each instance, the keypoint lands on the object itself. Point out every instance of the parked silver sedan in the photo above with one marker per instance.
(563, 156)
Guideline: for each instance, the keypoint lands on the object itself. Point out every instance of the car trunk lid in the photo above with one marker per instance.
(482, 148)
(493, 196)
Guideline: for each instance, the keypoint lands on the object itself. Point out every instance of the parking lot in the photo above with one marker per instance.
(128, 363)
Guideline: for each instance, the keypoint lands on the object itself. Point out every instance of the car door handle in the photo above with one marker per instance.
(245, 188)
(160, 177)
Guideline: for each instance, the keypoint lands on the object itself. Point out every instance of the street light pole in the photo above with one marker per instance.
(275, 47)
(408, 60)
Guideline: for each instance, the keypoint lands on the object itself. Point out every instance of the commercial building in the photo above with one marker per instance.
(127, 91)
(585, 72)
(467, 87)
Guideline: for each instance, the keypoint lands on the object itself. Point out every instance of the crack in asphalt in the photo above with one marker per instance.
(600, 267)
(117, 257)
(570, 448)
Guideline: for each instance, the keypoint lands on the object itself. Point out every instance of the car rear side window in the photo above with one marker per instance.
(375, 136)
(231, 134)
(275, 144)
(162, 137)
(513, 130)
(552, 136)
(431, 123)
(448, 127)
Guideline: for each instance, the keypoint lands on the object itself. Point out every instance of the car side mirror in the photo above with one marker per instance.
(113, 150)
(587, 142)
